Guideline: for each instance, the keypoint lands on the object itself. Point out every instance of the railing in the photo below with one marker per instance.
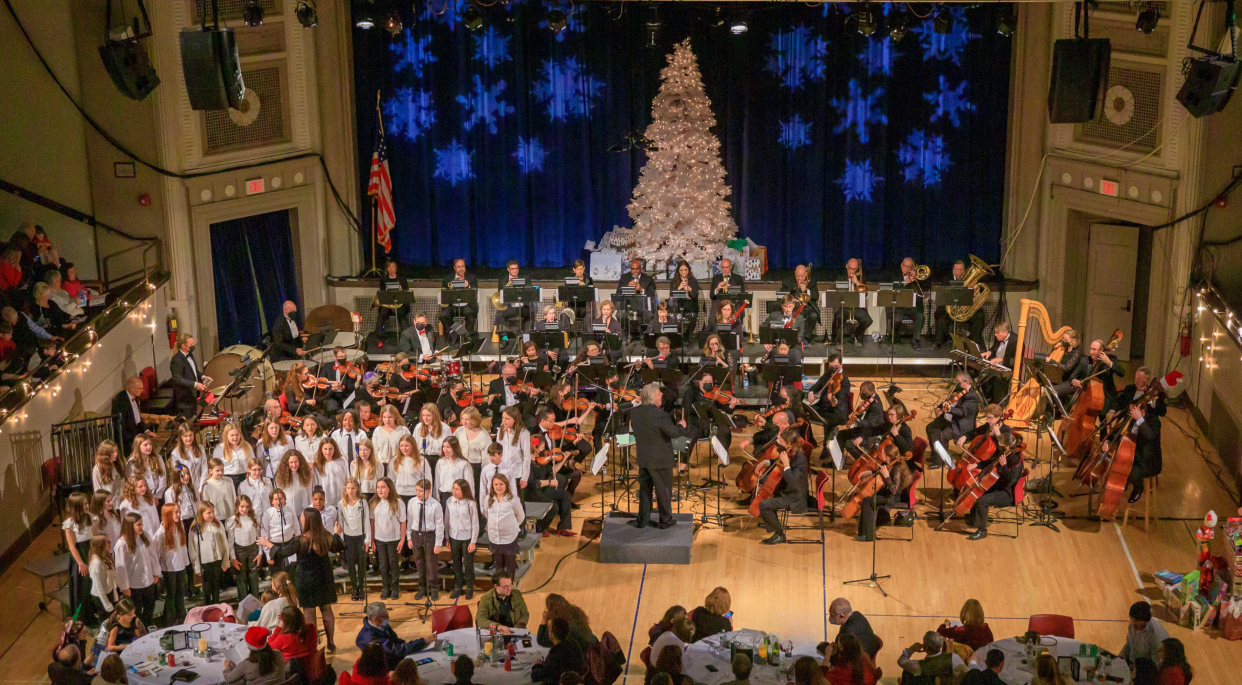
(74, 442)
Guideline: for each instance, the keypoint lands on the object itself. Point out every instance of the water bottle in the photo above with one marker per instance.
(745, 380)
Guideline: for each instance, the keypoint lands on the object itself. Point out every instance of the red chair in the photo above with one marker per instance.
(1019, 512)
(1052, 624)
(919, 448)
(451, 618)
(284, 404)
(212, 615)
(645, 657)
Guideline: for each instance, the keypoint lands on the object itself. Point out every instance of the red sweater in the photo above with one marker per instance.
(10, 276)
(974, 637)
(294, 646)
(840, 674)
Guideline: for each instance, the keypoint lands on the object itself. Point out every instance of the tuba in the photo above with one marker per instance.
(498, 303)
(978, 269)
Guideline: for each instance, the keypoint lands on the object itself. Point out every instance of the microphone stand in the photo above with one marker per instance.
(872, 580)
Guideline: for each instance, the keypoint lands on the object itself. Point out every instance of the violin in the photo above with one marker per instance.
(577, 404)
(719, 395)
(313, 382)
(858, 413)
(771, 411)
(982, 448)
(950, 403)
(872, 460)
(833, 386)
(370, 423)
(517, 387)
(545, 455)
(349, 370)
(468, 398)
(420, 373)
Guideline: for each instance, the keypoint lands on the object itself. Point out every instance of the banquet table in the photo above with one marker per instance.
(142, 669)
(1019, 669)
(466, 641)
(714, 652)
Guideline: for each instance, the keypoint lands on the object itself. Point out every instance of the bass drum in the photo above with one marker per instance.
(262, 379)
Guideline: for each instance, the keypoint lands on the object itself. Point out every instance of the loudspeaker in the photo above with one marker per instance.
(130, 68)
(1079, 78)
(1209, 84)
(212, 68)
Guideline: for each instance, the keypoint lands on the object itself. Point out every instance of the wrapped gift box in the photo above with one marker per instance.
(754, 269)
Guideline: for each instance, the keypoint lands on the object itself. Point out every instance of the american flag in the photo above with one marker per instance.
(380, 185)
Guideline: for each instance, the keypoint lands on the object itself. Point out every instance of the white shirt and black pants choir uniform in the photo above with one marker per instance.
(461, 518)
(356, 526)
(386, 529)
(425, 521)
(136, 571)
(505, 518)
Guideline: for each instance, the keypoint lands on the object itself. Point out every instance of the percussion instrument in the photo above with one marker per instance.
(452, 369)
(261, 382)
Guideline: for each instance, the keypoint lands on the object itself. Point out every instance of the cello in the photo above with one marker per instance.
(982, 481)
(981, 449)
(872, 460)
(1076, 429)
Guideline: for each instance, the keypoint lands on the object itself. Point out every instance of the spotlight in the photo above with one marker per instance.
(899, 26)
(866, 20)
(943, 23)
(392, 23)
(253, 14)
(1007, 23)
(653, 25)
(472, 18)
(307, 16)
(364, 15)
(738, 26)
(556, 20)
(1148, 18)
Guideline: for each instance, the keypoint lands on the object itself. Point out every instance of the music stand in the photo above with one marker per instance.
(779, 370)
(953, 295)
(395, 300)
(892, 300)
(674, 340)
(519, 296)
(729, 341)
(846, 301)
(458, 298)
(670, 377)
(575, 294)
(547, 340)
(769, 335)
(678, 300)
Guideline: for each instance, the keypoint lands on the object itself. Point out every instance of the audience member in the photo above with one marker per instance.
(669, 663)
(742, 667)
(678, 637)
(124, 627)
(556, 606)
(502, 606)
(1145, 634)
(463, 670)
(565, 656)
(286, 595)
(296, 639)
(406, 673)
(937, 663)
(1145, 672)
(840, 613)
(672, 614)
(994, 663)
(848, 665)
(714, 616)
(111, 672)
(376, 630)
(371, 668)
(973, 631)
(67, 668)
(1046, 671)
(263, 666)
(806, 671)
(1173, 667)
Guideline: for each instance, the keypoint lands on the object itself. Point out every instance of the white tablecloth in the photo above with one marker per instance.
(1019, 669)
(714, 651)
(466, 641)
(143, 670)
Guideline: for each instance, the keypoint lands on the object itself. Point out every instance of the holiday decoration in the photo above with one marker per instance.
(680, 208)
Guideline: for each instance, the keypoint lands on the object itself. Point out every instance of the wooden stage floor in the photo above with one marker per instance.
(1090, 570)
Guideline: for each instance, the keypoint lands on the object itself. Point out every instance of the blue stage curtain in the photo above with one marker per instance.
(835, 145)
(254, 274)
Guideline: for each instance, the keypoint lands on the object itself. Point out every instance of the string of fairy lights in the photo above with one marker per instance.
(1207, 299)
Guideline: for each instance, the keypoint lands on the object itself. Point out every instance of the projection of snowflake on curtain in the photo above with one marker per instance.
(858, 180)
(530, 155)
(573, 19)
(412, 52)
(491, 47)
(879, 56)
(409, 113)
(447, 12)
(923, 158)
(483, 105)
(858, 110)
(797, 57)
(948, 102)
(453, 163)
(949, 45)
(565, 89)
(795, 133)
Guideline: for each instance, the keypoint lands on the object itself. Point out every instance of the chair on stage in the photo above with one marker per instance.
(1017, 508)
(907, 505)
(1052, 624)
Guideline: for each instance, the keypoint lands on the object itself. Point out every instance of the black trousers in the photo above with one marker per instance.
(390, 569)
(424, 545)
(174, 597)
(80, 587)
(356, 561)
(469, 313)
(915, 313)
(862, 320)
(661, 482)
(463, 563)
(248, 574)
(562, 505)
(972, 327)
(212, 574)
(943, 430)
(884, 500)
(996, 498)
(811, 315)
(768, 509)
(144, 601)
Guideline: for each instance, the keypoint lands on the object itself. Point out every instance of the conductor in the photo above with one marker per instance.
(654, 431)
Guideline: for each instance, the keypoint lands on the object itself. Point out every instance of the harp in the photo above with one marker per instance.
(1038, 339)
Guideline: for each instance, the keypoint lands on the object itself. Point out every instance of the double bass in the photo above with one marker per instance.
(1077, 429)
(872, 460)
(1117, 464)
(981, 449)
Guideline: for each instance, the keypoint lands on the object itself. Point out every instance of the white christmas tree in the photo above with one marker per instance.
(680, 207)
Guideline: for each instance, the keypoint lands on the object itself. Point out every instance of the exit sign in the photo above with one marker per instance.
(256, 186)
(1106, 188)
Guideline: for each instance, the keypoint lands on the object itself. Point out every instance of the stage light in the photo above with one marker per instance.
(943, 23)
(899, 26)
(472, 18)
(307, 16)
(392, 23)
(1007, 23)
(253, 14)
(653, 24)
(866, 20)
(738, 27)
(556, 20)
(1148, 18)
(365, 14)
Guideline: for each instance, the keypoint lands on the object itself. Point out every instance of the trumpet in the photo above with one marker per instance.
(859, 285)
(723, 286)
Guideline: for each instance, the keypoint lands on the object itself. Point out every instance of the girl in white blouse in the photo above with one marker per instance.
(218, 489)
(461, 525)
(105, 475)
(505, 518)
(388, 531)
(234, 452)
(355, 516)
(137, 497)
(515, 440)
(349, 436)
(474, 440)
(367, 470)
(308, 440)
(103, 512)
(146, 464)
(78, 530)
(189, 453)
(170, 544)
(280, 523)
(181, 493)
(408, 468)
(388, 433)
(256, 486)
(243, 528)
(296, 478)
(137, 566)
(431, 432)
(272, 446)
(103, 574)
(331, 470)
(210, 550)
(451, 468)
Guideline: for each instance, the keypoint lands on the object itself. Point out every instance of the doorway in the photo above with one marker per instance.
(1112, 263)
(254, 274)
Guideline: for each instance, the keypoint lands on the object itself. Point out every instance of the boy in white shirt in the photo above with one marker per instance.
(425, 522)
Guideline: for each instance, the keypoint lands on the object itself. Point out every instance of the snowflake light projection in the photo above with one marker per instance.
(795, 133)
(447, 12)
(412, 52)
(530, 155)
(491, 47)
(949, 45)
(797, 57)
(923, 158)
(453, 163)
(573, 19)
(858, 180)
(565, 89)
(858, 110)
(879, 56)
(948, 103)
(483, 105)
(409, 113)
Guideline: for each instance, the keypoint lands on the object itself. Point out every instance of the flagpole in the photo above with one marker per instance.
(375, 200)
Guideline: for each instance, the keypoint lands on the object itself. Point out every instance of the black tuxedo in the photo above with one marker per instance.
(497, 405)
(791, 495)
(509, 317)
(470, 312)
(284, 343)
(958, 421)
(653, 431)
(409, 343)
(996, 384)
(185, 374)
(810, 313)
(832, 416)
(1148, 454)
(867, 423)
(130, 426)
(1001, 493)
(736, 284)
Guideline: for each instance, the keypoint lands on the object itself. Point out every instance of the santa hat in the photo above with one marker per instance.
(1171, 379)
(256, 637)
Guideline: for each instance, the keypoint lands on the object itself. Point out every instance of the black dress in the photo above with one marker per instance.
(314, 577)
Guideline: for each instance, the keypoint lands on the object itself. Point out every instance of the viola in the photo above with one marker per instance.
(858, 413)
(951, 402)
(872, 460)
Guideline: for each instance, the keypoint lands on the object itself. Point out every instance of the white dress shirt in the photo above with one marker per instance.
(449, 471)
(195, 463)
(135, 569)
(386, 523)
(234, 458)
(505, 518)
(187, 503)
(259, 492)
(407, 474)
(385, 442)
(222, 494)
(329, 516)
(103, 582)
(297, 494)
(149, 512)
(367, 483)
(115, 487)
(272, 456)
(243, 530)
(426, 516)
(462, 520)
(333, 478)
(428, 443)
(280, 525)
(348, 442)
(356, 520)
(308, 446)
(516, 458)
(175, 559)
(210, 545)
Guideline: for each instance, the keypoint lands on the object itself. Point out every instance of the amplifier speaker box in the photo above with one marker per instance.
(1209, 85)
(130, 68)
(212, 69)
(1079, 79)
